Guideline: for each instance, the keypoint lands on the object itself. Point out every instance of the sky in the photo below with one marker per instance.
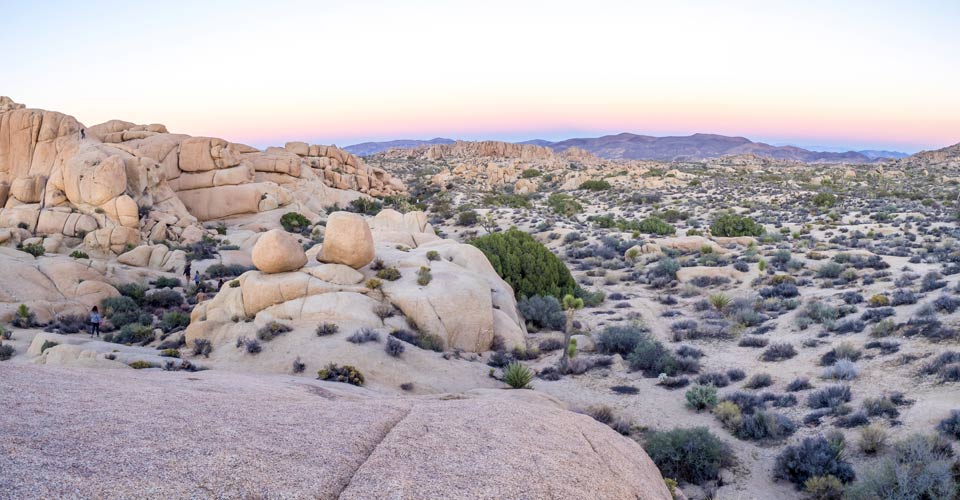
(828, 74)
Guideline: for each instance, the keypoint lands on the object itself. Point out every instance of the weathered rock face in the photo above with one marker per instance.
(155, 257)
(480, 444)
(49, 286)
(347, 240)
(342, 170)
(278, 252)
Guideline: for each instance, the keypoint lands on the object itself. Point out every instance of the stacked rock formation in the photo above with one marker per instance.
(464, 305)
(118, 183)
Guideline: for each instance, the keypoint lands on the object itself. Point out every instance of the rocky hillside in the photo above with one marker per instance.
(944, 158)
(696, 147)
(369, 148)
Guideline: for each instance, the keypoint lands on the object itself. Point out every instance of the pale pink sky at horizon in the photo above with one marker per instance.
(823, 74)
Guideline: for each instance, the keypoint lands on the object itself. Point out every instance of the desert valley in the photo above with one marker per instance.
(683, 317)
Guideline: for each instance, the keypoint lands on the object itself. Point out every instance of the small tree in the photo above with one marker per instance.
(488, 222)
(570, 305)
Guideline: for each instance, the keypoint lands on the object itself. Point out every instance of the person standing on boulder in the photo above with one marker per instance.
(186, 270)
(95, 320)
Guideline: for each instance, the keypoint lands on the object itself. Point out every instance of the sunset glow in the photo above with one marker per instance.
(861, 75)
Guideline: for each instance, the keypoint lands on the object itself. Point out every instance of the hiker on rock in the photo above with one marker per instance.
(95, 320)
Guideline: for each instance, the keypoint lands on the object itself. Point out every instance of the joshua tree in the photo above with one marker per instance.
(570, 305)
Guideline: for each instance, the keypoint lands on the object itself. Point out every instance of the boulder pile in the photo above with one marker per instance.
(117, 184)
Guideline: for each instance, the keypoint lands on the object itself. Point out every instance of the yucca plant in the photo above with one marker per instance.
(719, 301)
(24, 318)
(517, 376)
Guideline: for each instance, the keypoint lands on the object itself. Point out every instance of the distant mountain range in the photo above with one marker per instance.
(672, 148)
(370, 148)
(702, 147)
(879, 154)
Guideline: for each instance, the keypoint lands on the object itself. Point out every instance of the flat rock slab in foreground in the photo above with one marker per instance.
(84, 433)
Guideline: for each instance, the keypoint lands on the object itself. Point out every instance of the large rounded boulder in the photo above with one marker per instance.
(277, 251)
(347, 240)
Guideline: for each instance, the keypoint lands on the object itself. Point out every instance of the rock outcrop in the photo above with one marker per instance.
(350, 444)
(118, 184)
(49, 286)
(464, 305)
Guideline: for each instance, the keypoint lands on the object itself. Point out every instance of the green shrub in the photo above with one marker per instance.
(132, 333)
(34, 249)
(422, 340)
(433, 255)
(920, 467)
(824, 488)
(24, 317)
(732, 225)
(542, 312)
(692, 455)
(6, 352)
(79, 254)
(526, 265)
(517, 376)
(226, 270)
(701, 397)
(620, 339)
(813, 457)
(389, 274)
(652, 358)
(507, 200)
(135, 291)
(345, 373)
(48, 344)
(365, 206)
(120, 311)
(163, 299)
(202, 347)
(293, 222)
(271, 330)
(164, 282)
(424, 276)
(590, 299)
(564, 204)
(325, 329)
(170, 353)
(873, 439)
(467, 218)
(656, 225)
(174, 320)
(728, 414)
(824, 200)
(530, 173)
(595, 185)
(140, 365)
